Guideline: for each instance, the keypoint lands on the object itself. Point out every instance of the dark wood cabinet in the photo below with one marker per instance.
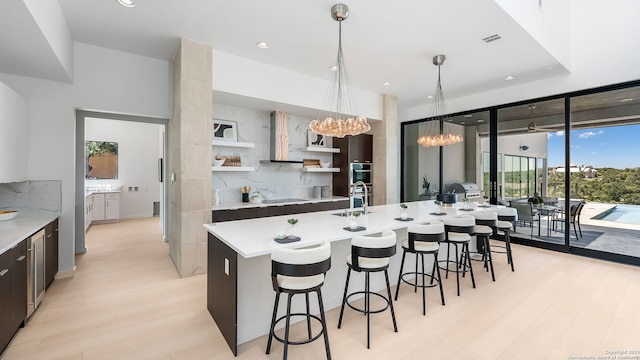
(13, 292)
(353, 149)
(277, 210)
(51, 252)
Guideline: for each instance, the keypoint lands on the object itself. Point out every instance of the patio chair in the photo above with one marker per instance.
(526, 214)
(574, 218)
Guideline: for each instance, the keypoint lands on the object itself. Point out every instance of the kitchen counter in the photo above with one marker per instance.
(91, 192)
(246, 205)
(28, 222)
(239, 264)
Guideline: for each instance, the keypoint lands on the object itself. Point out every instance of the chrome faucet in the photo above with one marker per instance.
(365, 202)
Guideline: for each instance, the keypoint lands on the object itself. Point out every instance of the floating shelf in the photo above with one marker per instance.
(314, 169)
(233, 168)
(323, 149)
(233, 144)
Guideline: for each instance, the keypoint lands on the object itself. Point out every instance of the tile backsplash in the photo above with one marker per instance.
(36, 194)
(272, 180)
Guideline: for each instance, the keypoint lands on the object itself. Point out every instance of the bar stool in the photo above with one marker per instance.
(486, 223)
(459, 230)
(370, 254)
(423, 239)
(299, 271)
(507, 218)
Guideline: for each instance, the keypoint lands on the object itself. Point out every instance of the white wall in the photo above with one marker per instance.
(138, 145)
(13, 136)
(105, 80)
(603, 52)
(237, 75)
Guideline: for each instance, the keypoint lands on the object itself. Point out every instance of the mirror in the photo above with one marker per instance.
(101, 160)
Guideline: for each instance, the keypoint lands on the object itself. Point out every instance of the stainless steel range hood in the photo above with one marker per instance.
(279, 139)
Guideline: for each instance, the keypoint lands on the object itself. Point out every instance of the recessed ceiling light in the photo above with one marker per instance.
(461, 122)
(386, 83)
(468, 115)
(334, 68)
(127, 3)
(627, 99)
(510, 77)
(480, 120)
(549, 68)
(430, 97)
(262, 45)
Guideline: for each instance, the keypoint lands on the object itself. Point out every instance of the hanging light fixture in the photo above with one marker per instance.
(340, 97)
(439, 132)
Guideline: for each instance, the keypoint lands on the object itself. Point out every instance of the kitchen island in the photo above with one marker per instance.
(239, 292)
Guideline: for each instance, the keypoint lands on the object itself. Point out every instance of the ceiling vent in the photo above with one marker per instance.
(491, 38)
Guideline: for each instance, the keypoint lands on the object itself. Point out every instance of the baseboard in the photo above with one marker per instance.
(65, 274)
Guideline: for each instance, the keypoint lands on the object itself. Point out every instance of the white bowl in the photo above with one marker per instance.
(7, 214)
(218, 162)
(325, 164)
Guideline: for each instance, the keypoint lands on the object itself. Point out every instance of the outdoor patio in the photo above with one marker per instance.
(607, 236)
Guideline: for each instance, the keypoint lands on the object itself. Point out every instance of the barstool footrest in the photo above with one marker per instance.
(301, 342)
(363, 311)
(434, 279)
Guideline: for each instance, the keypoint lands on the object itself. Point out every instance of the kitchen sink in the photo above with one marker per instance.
(348, 213)
(278, 201)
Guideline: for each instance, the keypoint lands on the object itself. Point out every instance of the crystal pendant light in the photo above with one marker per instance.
(339, 122)
(439, 132)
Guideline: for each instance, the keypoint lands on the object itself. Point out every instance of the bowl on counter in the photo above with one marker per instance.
(7, 214)
(218, 162)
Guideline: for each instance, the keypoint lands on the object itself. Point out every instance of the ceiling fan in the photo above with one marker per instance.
(532, 127)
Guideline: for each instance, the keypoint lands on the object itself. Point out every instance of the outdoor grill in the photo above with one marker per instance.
(467, 189)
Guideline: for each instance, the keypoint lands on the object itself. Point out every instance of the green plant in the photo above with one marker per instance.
(292, 221)
(425, 183)
(356, 213)
(404, 206)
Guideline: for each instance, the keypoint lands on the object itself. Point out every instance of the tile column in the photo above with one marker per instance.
(386, 159)
(189, 155)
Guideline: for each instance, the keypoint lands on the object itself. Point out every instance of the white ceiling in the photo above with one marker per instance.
(382, 40)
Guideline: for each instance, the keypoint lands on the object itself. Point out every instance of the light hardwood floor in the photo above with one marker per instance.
(127, 302)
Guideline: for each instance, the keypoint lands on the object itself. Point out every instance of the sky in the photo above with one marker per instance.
(617, 147)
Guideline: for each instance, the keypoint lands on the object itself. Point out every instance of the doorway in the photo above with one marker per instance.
(140, 172)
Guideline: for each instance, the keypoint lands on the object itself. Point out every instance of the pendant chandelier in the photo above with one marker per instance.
(340, 96)
(439, 132)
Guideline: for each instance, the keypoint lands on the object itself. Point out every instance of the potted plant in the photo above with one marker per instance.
(403, 212)
(292, 222)
(425, 185)
(354, 224)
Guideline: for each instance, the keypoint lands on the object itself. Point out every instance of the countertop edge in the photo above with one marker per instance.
(241, 205)
(36, 220)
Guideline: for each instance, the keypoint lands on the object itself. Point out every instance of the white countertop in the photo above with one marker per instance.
(242, 205)
(254, 237)
(28, 222)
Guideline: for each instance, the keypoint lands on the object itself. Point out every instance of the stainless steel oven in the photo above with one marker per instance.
(360, 172)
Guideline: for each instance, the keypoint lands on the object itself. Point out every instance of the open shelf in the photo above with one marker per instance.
(233, 144)
(320, 169)
(322, 149)
(232, 168)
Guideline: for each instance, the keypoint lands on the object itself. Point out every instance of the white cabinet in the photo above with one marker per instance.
(98, 207)
(88, 211)
(106, 206)
(112, 207)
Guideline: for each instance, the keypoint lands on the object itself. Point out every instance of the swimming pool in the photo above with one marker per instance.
(629, 214)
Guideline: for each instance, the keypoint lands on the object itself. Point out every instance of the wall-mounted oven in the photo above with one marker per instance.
(360, 172)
